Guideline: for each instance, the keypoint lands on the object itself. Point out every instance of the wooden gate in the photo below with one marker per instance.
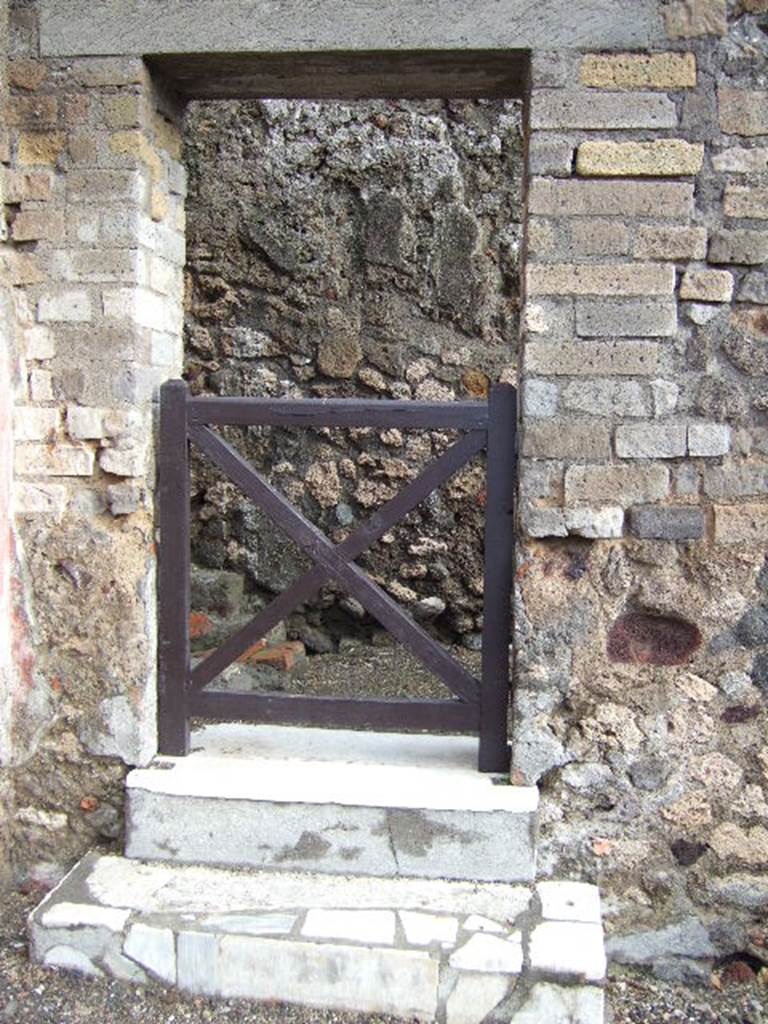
(477, 706)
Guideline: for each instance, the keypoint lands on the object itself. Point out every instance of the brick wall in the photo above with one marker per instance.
(94, 202)
(642, 603)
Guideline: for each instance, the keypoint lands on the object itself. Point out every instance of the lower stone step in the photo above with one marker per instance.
(419, 949)
(333, 800)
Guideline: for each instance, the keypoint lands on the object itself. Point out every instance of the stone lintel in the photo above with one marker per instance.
(144, 27)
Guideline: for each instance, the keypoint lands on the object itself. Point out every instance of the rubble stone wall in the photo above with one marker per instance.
(363, 249)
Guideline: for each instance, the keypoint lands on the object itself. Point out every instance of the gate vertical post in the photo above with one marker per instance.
(173, 580)
(499, 574)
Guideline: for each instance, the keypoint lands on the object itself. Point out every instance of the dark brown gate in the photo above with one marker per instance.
(478, 706)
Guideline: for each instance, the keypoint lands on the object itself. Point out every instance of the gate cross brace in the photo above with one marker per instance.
(337, 562)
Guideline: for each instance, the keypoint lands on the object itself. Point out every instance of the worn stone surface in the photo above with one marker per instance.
(574, 949)
(623, 484)
(342, 830)
(651, 441)
(660, 200)
(594, 359)
(593, 279)
(744, 202)
(562, 108)
(670, 243)
(572, 1005)
(595, 319)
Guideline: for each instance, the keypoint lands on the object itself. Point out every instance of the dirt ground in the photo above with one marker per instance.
(34, 995)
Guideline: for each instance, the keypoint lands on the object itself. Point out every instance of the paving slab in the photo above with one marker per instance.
(419, 949)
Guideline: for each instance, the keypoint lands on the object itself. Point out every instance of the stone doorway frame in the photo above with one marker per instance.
(140, 62)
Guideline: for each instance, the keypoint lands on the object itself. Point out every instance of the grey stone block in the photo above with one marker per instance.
(754, 288)
(548, 156)
(686, 938)
(630, 319)
(652, 441)
(572, 108)
(540, 399)
(739, 246)
(655, 522)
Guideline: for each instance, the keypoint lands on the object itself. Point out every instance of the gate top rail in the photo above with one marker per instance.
(338, 412)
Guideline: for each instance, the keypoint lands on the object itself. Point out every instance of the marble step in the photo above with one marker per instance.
(419, 949)
(335, 801)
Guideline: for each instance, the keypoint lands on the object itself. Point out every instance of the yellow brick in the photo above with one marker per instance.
(167, 135)
(662, 158)
(41, 147)
(600, 279)
(158, 205)
(639, 71)
(136, 144)
(122, 111)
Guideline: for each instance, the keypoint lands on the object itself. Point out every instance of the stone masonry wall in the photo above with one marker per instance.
(352, 249)
(642, 661)
(94, 206)
(6, 486)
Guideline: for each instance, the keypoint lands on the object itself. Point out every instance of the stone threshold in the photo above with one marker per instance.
(333, 800)
(423, 949)
(234, 761)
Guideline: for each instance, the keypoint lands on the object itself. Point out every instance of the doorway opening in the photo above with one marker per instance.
(347, 249)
